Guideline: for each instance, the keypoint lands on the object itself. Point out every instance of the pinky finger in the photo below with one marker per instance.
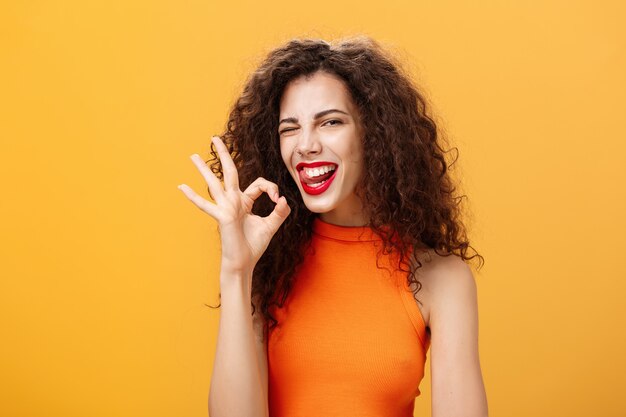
(201, 203)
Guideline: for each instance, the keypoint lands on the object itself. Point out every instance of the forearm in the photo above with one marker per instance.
(236, 385)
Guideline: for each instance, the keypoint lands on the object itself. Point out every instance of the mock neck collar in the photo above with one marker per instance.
(345, 233)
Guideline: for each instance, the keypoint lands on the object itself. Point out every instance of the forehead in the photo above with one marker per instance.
(310, 94)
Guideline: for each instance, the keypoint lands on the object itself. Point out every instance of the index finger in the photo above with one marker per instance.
(231, 178)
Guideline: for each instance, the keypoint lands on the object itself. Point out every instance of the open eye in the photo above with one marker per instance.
(333, 122)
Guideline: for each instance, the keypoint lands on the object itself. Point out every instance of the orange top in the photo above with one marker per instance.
(350, 339)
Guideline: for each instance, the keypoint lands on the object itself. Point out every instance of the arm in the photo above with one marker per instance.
(239, 380)
(457, 384)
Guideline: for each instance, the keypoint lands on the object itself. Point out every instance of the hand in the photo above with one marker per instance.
(244, 236)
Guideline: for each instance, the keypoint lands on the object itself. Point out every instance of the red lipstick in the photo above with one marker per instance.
(306, 181)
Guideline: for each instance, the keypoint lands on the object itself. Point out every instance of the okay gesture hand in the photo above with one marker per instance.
(244, 236)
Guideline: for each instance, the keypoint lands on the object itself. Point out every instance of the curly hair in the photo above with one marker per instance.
(409, 197)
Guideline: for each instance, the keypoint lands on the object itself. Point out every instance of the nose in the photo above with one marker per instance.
(308, 143)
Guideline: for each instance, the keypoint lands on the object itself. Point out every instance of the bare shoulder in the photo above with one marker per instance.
(450, 303)
(446, 281)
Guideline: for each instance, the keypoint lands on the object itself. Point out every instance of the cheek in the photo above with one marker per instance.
(356, 155)
(285, 153)
(354, 144)
(356, 163)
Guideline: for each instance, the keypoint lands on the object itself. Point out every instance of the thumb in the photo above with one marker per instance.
(279, 214)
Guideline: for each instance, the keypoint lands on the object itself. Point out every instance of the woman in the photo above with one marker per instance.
(352, 262)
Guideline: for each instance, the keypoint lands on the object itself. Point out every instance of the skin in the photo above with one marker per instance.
(448, 296)
(450, 310)
(335, 137)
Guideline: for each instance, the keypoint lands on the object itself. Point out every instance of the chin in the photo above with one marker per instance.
(317, 206)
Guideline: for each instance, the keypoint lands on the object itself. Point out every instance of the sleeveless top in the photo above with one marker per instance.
(350, 339)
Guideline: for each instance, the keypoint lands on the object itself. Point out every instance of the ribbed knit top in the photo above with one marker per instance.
(351, 340)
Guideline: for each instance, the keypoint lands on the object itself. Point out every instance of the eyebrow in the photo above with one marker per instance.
(315, 117)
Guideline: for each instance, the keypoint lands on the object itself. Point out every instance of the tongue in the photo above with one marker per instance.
(317, 179)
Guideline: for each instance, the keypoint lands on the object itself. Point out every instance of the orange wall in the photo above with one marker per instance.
(105, 267)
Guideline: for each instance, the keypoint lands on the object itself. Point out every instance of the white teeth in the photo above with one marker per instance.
(316, 172)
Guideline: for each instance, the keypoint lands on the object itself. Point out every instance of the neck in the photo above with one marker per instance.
(352, 218)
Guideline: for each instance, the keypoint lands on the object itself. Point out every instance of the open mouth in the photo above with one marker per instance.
(316, 177)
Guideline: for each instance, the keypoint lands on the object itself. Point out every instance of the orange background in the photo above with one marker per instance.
(105, 266)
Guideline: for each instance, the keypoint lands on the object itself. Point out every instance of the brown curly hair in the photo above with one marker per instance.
(409, 197)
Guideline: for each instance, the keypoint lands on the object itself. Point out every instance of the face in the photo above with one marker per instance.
(321, 146)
